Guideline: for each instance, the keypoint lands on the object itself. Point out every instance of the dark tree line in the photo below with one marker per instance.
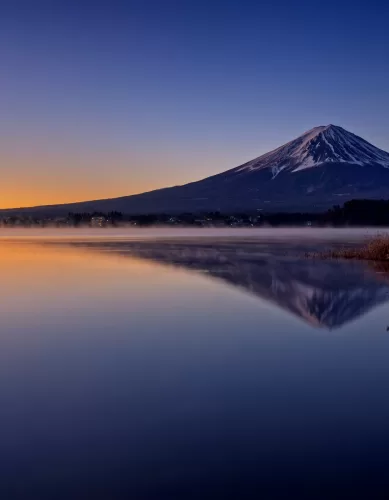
(85, 218)
(352, 213)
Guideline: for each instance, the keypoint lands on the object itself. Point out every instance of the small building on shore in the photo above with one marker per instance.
(98, 221)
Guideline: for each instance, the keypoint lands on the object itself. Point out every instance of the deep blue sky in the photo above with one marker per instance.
(124, 96)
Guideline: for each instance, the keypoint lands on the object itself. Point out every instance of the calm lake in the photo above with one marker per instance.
(191, 365)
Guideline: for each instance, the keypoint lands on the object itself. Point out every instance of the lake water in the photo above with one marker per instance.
(191, 365)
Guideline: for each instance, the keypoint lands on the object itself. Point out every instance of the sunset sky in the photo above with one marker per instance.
(107, 98)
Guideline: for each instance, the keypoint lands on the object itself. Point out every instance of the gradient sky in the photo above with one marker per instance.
(108, 98)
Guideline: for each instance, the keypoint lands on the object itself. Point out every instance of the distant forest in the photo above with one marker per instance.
(352, 213)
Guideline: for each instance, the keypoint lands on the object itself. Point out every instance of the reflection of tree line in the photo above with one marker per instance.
(324, 293)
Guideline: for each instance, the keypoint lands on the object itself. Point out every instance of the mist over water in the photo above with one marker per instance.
(157, 364)
(352, 234)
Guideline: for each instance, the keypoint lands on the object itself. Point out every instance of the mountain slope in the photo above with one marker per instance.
(325, 166)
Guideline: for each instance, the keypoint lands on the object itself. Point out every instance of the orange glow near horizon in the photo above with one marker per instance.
(34, 177)
(51, 194)
(28, 182)
(51, 179)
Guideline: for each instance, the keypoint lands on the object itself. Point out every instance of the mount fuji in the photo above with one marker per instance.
(323, 167)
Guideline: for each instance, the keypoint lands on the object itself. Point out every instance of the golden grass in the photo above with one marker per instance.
(376, 249)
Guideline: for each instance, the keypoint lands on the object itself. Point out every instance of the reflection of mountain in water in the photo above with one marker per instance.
(323, 293)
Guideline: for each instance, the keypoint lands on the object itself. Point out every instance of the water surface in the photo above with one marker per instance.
(191, 368)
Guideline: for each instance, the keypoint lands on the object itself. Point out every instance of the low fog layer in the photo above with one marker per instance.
(287, 234)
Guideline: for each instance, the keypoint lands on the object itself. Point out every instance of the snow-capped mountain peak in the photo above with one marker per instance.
(320, 145)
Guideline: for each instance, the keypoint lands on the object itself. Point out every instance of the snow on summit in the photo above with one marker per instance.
(320, 145)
